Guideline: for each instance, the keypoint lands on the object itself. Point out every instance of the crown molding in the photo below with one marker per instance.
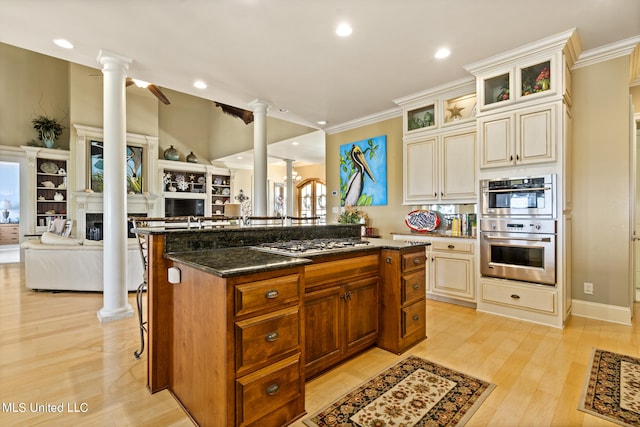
(364, 121)
(607, 52)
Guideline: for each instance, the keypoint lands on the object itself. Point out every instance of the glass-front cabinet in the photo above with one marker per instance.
(420, 118)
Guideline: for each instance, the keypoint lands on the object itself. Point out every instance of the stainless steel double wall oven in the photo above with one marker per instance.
(518, 229)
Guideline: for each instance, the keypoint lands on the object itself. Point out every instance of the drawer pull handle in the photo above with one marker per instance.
(273, 389)
(416, 317)
(272, 336)
(515, 296)
(416, 286)
(451, 246)
(416, 261)
(272, 294)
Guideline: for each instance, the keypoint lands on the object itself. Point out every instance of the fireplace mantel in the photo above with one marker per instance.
(85, 202)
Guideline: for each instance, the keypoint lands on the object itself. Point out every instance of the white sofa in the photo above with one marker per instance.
(74, 266)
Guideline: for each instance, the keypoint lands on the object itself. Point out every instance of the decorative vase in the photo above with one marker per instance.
(58, 197)
(49, 138)
(192, 158)
(171, 154)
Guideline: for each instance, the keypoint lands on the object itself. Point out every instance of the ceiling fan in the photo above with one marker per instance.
(152, 88)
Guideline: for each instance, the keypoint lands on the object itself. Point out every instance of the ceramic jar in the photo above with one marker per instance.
(192, 158)
(171, 154)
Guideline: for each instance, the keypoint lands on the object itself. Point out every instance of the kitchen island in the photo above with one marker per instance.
(229, 326)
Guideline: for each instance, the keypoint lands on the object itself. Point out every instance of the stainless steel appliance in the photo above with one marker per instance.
(519, 197)
(518, 249)
(312, 246)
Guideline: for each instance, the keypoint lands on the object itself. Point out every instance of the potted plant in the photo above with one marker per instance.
(48, 130)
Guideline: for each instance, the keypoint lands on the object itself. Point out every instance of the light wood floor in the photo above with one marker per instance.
(53, 350)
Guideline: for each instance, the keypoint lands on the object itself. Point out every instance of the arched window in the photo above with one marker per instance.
(312, 199)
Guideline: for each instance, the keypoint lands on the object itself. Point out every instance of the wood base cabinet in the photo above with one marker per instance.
(9, 234)
(340, 310)
(402, 308)
(236, 360)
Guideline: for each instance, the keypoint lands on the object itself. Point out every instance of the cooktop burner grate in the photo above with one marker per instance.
(311, 246)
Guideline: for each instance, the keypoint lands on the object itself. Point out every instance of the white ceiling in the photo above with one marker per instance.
(285, 52)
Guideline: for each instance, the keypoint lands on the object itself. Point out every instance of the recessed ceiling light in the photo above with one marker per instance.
(442, 53)
(63, 43)
(283, 110)
(200, 84)
(239, 157)
(295, 143)
(322, 122)
(344, 30)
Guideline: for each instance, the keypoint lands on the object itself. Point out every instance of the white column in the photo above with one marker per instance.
(115, 304)
(289, 187)
(259, 157)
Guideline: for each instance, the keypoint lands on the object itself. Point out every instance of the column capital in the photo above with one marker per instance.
(259, 106)
(107, 58)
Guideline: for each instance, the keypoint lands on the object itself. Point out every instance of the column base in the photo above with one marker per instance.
(107, 315)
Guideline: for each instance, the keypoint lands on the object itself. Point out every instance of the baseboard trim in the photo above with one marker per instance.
(606, 312)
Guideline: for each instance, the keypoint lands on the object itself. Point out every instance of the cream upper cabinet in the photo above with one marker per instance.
(439, 144)
(524, 136)
(420, 170)
(441, 168)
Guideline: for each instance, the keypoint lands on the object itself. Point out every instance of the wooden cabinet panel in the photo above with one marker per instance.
(9, 234)
(413, 286)
(402, 296)
(340, 310)
(413, 261)
(263, 391)
(338, 271)
(260, 338)
(413, 320)
(266, 294)
(323, 320)
(361, 314)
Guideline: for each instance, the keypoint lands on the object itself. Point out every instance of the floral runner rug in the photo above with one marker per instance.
(413, 392)
(612, 388)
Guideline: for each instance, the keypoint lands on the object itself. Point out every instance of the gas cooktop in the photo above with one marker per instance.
(312, 246)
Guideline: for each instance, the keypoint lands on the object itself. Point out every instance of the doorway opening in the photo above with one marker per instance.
(9, 212)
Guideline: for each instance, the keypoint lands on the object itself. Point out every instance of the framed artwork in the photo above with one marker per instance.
(134, 167)
(363, 172)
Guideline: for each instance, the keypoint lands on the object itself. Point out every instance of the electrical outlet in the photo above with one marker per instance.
(588, 288)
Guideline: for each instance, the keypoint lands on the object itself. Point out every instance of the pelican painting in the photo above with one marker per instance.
(363, 173)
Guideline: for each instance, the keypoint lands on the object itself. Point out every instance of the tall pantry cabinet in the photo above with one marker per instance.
(524, 129)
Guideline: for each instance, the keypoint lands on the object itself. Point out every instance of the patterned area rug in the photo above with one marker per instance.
(612, 388)
(414, 392)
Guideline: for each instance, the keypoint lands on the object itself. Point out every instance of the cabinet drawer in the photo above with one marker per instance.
(263, 294)
(340, 271)
(449, 246)
(413, 261)
(268, 389)
(413, 319)
(262, 337)
(413, 286)
(533, 299)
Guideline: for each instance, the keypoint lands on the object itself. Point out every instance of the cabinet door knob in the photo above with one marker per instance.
(515, 296)
(272, 336)
(511, 158)
(273, 389)
(416, 261)
(435, 194)
(271, 294)
(451, 246)
(416, 286)
(416, 317)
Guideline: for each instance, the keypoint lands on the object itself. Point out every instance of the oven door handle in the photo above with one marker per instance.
(516, 190)
(525, 239)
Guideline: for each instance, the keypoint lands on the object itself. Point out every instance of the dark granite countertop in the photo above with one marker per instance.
(229, 262)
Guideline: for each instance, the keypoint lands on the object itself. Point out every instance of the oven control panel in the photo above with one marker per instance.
(530, 226)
